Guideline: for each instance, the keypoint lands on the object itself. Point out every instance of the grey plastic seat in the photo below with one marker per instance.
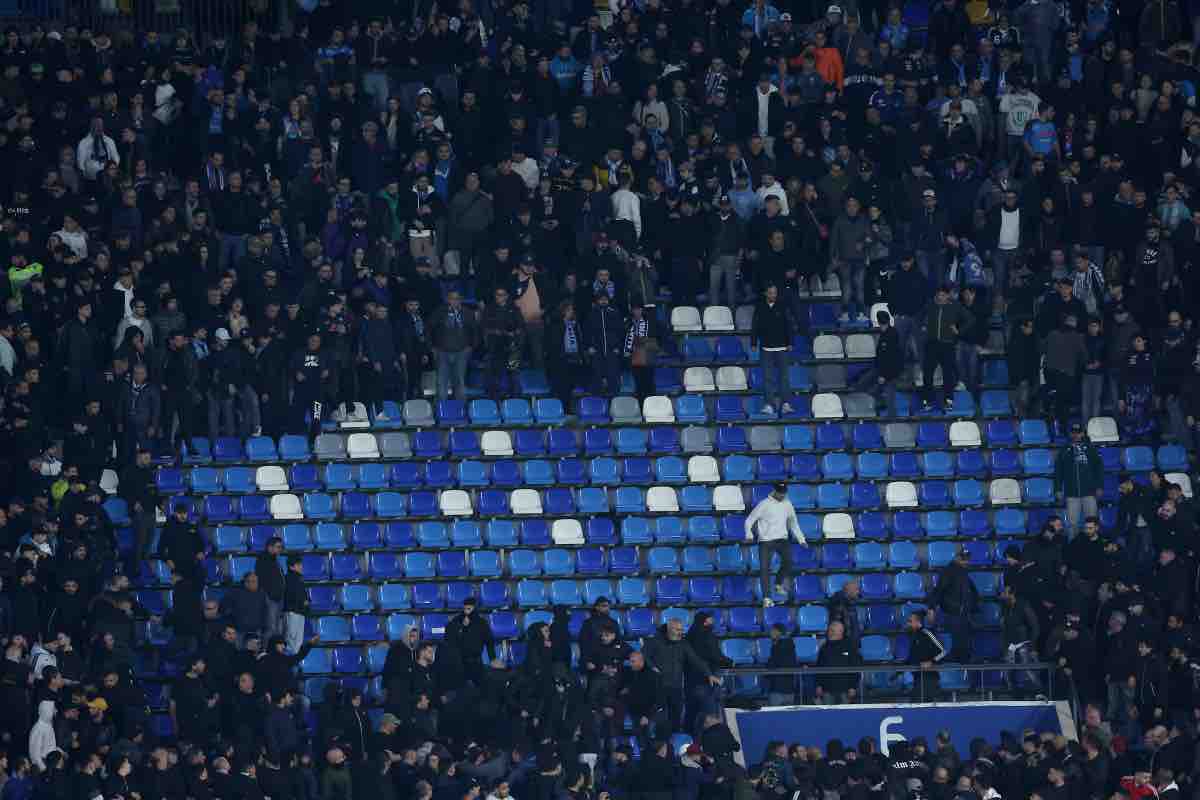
(830, 376)
(330, 447)
(743, 318)
(395, 445)
(899, 436)
(766, 439)
(418, 414)
(625, 411)
(697, 440)
(859, 405)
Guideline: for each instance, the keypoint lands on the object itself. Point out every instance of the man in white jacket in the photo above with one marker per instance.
(41, 737)
(95, 151)
(626, 204)
(776, 518)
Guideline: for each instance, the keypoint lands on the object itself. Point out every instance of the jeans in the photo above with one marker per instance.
(1120, 697)
(1022, 396)
(967, 359)
(869, 382)
(853, 277)
(1078, 510)
(1025, 654)
(452, 366)
(723, 269)
(1001, 260)
(931, 264)
(375, 86)
(275, 621)
(233, 247)
(1093, 392)
(765, 550)
(606, 367)
(775, 368)
(939, 354)
(294, 631)
(909, 332)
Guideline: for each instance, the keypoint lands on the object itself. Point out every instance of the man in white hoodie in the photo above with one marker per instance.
(41, 737)
(73, 236)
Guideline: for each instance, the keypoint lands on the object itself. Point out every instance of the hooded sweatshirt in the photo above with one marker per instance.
(41, 738)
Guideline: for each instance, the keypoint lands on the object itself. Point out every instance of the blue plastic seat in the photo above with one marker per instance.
(345, 567)
(797, 438)
(604, 471)
(549, 411)
(771, 468)
(228, 450)
(669, 530)
(934, 493)
(703, 529)
(591, 560)
(389, 505)
(239, 480)
(464, 444)
(451, 413)
(938, 464)
(837, 467)
(812, 619)
(339, 477)
(670, 469)
(523, 563)
(356, 505)
(864, 494)
(833, 496)
(744, 619)
(630, 441)
(517, 411)
(538, 472)
(329, 536)
(909, 586)
(730, 409)
(572, 471)
(217, 508)
(872, 466)
(623, 560)
(866, 436)
(432, 535)
(531, 594)
(632, 592)
(666, 381)
(698, 560)
(731, 558)
(1005, 462)
(254, 508)
(205, 480)
(1172, 458)
(1033, 432)
(664, 440)
(663, 560)
(933, 436)
(535, 533)
(690, 409)
(558, 502)
(696, 499)
(373, 476)
(973, 523)
(529, 442)
(669, 591)
(493, 503)
(1038, 490)
(427, 596)
(830, 436)
(593, 411)
(731, 439)
(902, 555)
(971, 463)
(986, 583)
(868, 555)
(472, 474)
(969, 492)
(428, 444)
(1038, 461)
(562, 442)
(1001, 433)
(1010, 522)
(495, 594)
(482, 412)
(367, 628)
(593, 500)
(1139, 458)
(630, 500)
(876, 648)
(804, 467)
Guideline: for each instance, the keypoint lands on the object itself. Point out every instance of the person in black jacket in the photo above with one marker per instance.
(604, 334)
(1152, 686)
(138, 489)
(272, 582)
(183, 544)
(926, 652)
(772, 333)
(956, 597)
(908, 293)
(708, 648)
(838, 651)
(889, 364)
(781, 689)
(295, 604)
(468, 633)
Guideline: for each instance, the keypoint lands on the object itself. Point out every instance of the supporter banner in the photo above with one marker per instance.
(887, 724)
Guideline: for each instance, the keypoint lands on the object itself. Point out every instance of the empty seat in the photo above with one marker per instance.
(718, 318)
(1033, 432)
(1004, 491)
(657, 410)
(362, 446)
(497, 444)
(728, 498)
(271, 479)
(567, 532)
(703, 469)
(1038, 461)
(698, 379)
(329, 447)
(731, 379)
(286, 506)
(860, 345)
(899, 436)
(837, 526)
(686, 319)
(525, 502)
(901, 494)
(697, 440)
(662, 500)
(965, 433)
(625, 411)
(455, 502)
(827, 346)
(827, 406)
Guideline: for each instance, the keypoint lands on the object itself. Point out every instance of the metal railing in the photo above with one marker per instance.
(883, 682)
(203, 19)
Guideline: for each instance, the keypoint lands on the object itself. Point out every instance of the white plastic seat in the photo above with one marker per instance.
(271, 479)
(662, 500)
(703, 469)
(731, 379)
(698, 379)
(965, 433)
(1183, 480)
(496, 443)
(1005, 492)
(456, 503)
(362, 445)
(827, 406)
(718, 318)
(686, 319)
(657, 410)
(525, 502)
(728, 497)
(1103, 430)
(837, 526)
(827, 346)
(109, 481)
(901, 494)
(567, 532)
(356, 418)
(860, 345)
(286, 506)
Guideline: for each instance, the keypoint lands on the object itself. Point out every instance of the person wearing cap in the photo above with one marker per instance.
(945, 323)
(770, 524)
(955, 598)
(930, 227)
(771, 331)
(504, 332)
(727, 238)
(310, 372)
(1066, 356)
(1079, 476)
(453, 334)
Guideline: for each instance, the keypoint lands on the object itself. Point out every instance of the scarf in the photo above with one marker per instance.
(570, 337)
(454, 317)
(200, 349)
(608, 288)
(418, 325)
(666, 173)
(639, 329)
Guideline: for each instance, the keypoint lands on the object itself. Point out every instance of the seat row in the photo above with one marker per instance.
(722, 319)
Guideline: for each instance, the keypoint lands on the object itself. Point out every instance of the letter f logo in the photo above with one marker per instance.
(886, 737)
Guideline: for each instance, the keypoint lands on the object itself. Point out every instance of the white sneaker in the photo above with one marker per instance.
(768, 602)
(787, 408)
(257, 431)
(861, 317)
(769, 410)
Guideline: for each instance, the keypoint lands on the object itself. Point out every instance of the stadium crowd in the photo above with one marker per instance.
(227, 233)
